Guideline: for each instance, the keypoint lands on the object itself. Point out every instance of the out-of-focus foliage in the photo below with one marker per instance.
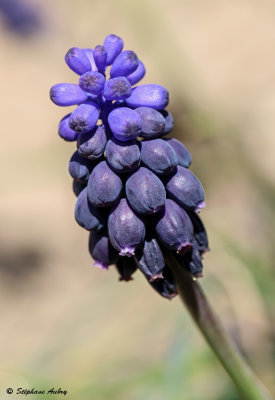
(67, 324)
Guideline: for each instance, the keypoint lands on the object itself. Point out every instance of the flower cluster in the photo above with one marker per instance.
(135, 192)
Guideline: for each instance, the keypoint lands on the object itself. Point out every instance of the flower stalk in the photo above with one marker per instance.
(249, 387)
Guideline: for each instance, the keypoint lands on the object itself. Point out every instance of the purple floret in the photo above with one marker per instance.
(117, 89)
(100, 57)
(154, 96)
(104, 186)
(126, 268)
(92, 82)
(138, 74)
(84, 118)
(77, 60)
(185, 188)
(158, 156)
(169, 121)
(113, 45)
(64, 130)
(80, 168)
(183, 155)
(88, 216)
(67, 94)
(150, 258)
(124, 123)
(126, 230)
(101, 250)
(174, 227)
(122, 157)
(92, 144)
(153, 122)
(145, 192)
(125, 64)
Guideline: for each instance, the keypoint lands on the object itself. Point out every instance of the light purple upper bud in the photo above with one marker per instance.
(92, 144)
(124, 64)
(117, 89)
(92, 82)
(153, 122)
(84, 118)
(154, 96)
(77, 60)
(100, 57)
(101, 250)
(113, 45)
(174, 228)
(158, 156)
(145, 192)
(169, 121)
(138, 74)
(126, 230)
(124, 123)
(122, 157)
(183, 155)
(67, 94)
(185, 188)
(64, 130)
(88, 216)
(104, 186)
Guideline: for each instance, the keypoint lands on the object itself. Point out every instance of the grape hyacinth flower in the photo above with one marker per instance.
(134, 192)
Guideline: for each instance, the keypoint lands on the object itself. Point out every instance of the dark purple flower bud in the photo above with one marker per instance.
(174, 228)
(104, 186)
(154, 96)
(84, 118)
(90, 55)
(124, 64)
(145, 192)
(122, 157)
(169, 121)
(113, 45)
(183, 155)
(88, 216)
(185, 188)
(79, 167)
(138, 74)
(100, 57)
(126, 267)
(64, 130)
(124, 123)
(150, 258)
(192, 261)
(67, 94)
(200, 234)
(166, 287)
(153, 122)
(117, 89)
(92, 144)
(77, 60)
(126, 229)
(158, 156)
(78, 187)
(101, 250)
(92, 82)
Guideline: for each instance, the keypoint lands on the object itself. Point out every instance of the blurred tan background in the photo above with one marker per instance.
(67, 324)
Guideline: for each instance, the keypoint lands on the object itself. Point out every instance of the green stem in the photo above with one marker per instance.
(192, 295)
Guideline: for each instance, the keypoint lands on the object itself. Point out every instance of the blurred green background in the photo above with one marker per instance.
(67, 324)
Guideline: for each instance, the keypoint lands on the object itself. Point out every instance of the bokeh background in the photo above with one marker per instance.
(67, 324)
